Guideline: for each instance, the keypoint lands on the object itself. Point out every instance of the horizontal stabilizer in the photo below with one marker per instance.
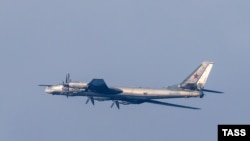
(211, 91)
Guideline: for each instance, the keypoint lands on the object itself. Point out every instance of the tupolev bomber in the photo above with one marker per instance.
(98, 90)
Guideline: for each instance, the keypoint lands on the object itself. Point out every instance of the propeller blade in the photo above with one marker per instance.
(117, 104)
(67, 78)
(87, 101)
(112, 105)
(92, 101)
(67, 94)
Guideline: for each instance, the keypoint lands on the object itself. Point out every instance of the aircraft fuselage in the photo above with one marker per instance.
(127, 92)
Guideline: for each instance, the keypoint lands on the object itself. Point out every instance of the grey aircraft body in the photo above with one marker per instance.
(97, 89)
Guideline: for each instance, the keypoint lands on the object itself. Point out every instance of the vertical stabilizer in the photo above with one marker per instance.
(198, 78)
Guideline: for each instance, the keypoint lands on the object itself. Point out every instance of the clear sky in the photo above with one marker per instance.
(140, 43)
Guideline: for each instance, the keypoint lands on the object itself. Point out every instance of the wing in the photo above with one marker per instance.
(99, 86)
(169, 104)
(133, 100)
(139, 101)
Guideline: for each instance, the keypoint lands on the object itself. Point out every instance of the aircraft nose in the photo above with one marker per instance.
(47, 90)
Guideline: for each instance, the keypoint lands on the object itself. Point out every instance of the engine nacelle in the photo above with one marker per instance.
(79, 85)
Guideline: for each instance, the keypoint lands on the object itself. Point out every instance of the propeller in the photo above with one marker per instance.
(115, 102)
(202, 90)
(68, 78)
(66, 89)
(91, 99)
(66, 84)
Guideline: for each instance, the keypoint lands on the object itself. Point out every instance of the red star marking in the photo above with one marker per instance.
(196, 76)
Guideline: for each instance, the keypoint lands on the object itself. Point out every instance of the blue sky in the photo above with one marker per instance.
(128, 43)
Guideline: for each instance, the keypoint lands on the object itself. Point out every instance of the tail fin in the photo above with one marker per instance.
(198, 78)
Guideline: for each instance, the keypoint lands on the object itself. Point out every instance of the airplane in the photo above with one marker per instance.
(97, 89)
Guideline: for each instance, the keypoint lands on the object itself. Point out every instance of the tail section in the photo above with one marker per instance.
(198, 78)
